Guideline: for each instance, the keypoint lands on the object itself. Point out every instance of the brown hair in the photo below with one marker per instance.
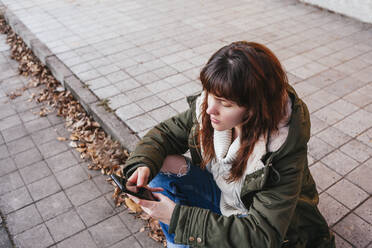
(250, 75)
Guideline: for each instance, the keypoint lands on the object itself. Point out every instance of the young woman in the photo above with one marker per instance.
(247, 183)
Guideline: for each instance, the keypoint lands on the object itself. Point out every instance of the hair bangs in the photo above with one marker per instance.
(219, 82)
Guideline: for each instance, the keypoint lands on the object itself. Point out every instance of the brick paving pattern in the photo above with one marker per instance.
(145, 58)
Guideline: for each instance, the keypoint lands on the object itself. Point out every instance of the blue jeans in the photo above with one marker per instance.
(196, 188)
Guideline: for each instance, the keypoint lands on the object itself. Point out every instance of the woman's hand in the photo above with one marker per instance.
(161, 210)
(140, 176)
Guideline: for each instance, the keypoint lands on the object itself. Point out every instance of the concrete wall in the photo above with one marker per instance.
(358, 9)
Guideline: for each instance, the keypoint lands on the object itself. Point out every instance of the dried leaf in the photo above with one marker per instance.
(132, 205)
(61, 138)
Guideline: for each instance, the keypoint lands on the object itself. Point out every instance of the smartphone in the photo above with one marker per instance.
(132, 189)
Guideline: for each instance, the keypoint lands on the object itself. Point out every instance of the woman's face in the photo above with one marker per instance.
(224, 114)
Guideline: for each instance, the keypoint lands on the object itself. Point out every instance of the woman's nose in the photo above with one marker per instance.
(212, 110)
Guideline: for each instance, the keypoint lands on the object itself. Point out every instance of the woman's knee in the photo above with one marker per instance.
(175, 164)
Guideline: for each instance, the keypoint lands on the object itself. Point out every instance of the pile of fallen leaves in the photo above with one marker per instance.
(86, 135)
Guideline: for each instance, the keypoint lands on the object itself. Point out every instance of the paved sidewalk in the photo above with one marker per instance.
(46, 194)
(146, 58)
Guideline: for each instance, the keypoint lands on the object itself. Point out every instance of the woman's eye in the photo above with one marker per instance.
(227, 105)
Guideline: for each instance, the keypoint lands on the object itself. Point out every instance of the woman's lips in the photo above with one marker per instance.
(215, 121)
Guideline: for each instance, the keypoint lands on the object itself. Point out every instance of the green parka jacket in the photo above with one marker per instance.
(281, 197)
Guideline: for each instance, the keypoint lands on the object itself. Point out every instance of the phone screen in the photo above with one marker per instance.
(132, 189)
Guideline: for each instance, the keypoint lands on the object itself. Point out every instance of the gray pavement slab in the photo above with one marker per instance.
(145, 59)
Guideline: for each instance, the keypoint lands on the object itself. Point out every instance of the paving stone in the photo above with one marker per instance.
(103, 185)
(333, 136)
(28, 157)
(44, 136)
(165, 71)
(366, 138)
(162, 113)
(37, 124)
(158, 86)
(65, 225)
(129, 111)
(43, 188)
(323, 176)
(23, 106)
(82, 193)
(10, 121)
(340, 162)
(331, 209)
(144, 240)
(127, 85)
(328, 115)
(146, 78)
(54, 119)
(341, 243)
(71, 176)
(118, 76)
(20, 145)
(363, 75)
(118, 101)
(81, 240)
(10, 182)
(106, 92)
(180, 105)
(52, 148)
(53, 205)
(347, 193)
(109, 231)
(357, 150)
(15, 200)
(61, 161)
(359, 98)
(129, 242)
(62, 131)
(190, 88)
(309, 70)
(134, 224)
(365, 211)
(98, 83)
(7, 166)
(326, 78)
(35, 172)
(355, 230)
(318, 148)
(150, 103)
(88, 75)
(4, 153)
(343, 107)
(95, 211)
(141, 122)
(171, 95)
(361, 176)
(4, 238)
(37, 236)
(177, 80)
(23, 219)
(6, 110)
(138, 93)
(14, 133)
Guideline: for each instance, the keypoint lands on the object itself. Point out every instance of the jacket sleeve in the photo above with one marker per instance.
(168, 137)
(265, 225)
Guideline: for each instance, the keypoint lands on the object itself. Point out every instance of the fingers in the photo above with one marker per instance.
(155, 189)
(160, 196)
(141, 177)
(141, 202)
(133, 177)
